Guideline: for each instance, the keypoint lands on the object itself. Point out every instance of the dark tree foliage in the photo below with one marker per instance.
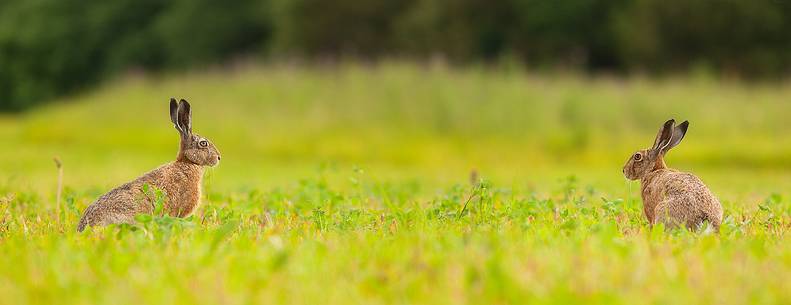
(53, 47)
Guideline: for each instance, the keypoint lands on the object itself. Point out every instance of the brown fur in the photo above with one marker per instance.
(180, 180)
(671, 197)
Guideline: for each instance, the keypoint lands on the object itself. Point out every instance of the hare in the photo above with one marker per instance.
(671, 197)
(180, 180)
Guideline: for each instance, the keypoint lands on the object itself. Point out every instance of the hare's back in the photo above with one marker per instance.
(687, 189)
(681, 183)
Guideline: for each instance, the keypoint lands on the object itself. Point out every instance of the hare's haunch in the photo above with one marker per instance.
(180, 180)
(671, 197)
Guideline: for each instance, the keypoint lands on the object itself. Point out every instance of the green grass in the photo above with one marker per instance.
(351, 185)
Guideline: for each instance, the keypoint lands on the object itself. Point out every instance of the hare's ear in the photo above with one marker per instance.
(663, 137)
(174, 113)
(678, 135)
(184, 118)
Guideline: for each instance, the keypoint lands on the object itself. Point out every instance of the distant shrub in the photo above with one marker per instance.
(323, 28)
(52, 47)
(461, 30)
(196, 32)
(750, 38)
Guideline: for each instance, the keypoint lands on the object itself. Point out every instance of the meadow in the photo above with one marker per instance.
(400, 184)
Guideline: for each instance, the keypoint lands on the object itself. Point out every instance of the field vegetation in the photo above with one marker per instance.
(399, 184)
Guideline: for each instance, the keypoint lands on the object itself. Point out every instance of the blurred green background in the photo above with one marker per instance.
(398, 120)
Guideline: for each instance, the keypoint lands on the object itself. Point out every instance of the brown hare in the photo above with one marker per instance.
(180, 180)
(671, 197)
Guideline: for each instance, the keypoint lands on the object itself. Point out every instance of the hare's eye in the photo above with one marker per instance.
(638, 156)
(203, 143)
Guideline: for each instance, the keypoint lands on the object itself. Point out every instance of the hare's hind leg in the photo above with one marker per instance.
(97, 215)
(669, 213)
(88, 218)
(109, 210)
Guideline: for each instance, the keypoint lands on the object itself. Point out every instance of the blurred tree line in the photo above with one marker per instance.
(52, 47)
